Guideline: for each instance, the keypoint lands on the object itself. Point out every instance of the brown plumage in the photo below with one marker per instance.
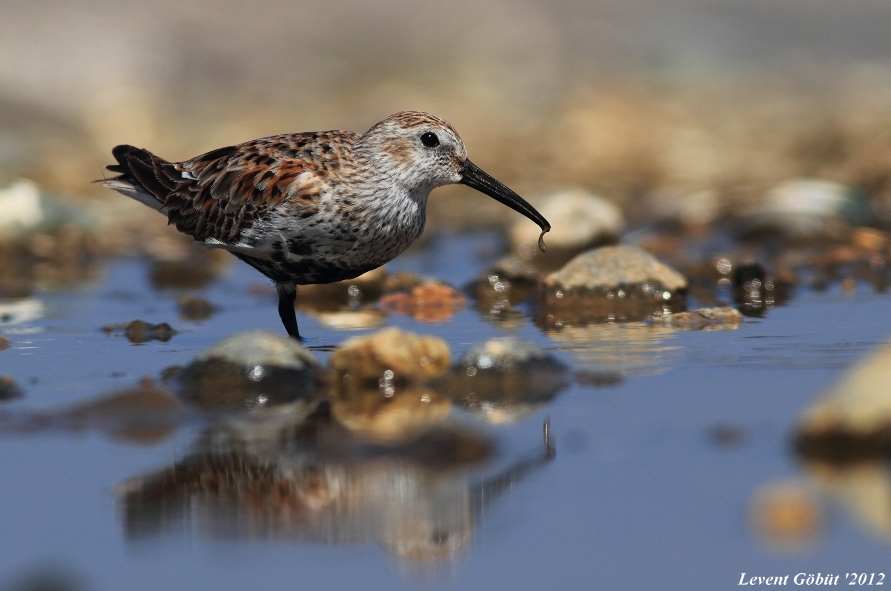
(311, 207)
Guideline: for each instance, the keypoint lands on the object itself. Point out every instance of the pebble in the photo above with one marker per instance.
(9, 389)
(139, 331)
(250, 370)
(350, 294)
(505, 379)
(390, 354)
(4, 343)
(428, 302)
(786, 515)
(702, 319)
(578, 219)
(695, 209)
(191, 308)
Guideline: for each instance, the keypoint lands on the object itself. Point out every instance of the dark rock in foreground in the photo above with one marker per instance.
(250, 370)
(504, 379)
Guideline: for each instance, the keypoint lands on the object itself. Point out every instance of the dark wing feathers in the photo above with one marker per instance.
(222, 192)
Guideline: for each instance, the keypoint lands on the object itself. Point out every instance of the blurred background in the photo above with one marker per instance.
(625, 98)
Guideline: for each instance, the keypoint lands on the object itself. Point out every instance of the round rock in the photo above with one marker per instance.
(391, 354)
(505, 379)
(578, 220)
(250, 370)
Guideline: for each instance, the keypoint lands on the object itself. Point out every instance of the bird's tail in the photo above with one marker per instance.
(142, 176)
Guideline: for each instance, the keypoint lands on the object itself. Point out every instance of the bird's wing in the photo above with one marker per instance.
(218, 195)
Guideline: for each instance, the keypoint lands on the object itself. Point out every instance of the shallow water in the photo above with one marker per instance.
(644, 490)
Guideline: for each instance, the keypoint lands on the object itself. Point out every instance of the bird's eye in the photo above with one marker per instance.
(429, 139)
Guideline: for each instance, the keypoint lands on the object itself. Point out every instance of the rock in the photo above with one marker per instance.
(9, 390)
(852, 421)
(428, 302)
(870, 239)
(4, 343)
(25, 210)
(578, 220)
(195, 308)
(505, 379)
(139, 331)
(609, 283)
(350, 294)
(250, 370)
(806, 209)
(702, 319)
(389, 414)
(198, 270)
(390, 354)
(352, 319)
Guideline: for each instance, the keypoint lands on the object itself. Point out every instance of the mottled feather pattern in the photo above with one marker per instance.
(310, 207)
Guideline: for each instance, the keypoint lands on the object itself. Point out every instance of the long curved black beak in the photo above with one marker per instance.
(473, 176)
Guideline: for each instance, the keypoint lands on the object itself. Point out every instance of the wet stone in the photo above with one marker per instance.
(702, 319)
(504, 379)
(390, 355)
(139, 331)
(609, 283)
(191, 308)
(428, 302)
(9, 389)
(196, 272)
(350, 294)
(250, 370)
(787, 516)
(4, 343)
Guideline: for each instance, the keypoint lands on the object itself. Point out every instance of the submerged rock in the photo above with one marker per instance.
(350, 294)
(702, 319)
(609, 283)
(191, 308)
(4, 343)
(578, 219)
(139, 331)
(505, 379)
(390, 354)
(787, 516)
(250, 370)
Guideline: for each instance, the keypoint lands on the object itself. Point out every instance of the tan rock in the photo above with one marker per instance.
(410, 357)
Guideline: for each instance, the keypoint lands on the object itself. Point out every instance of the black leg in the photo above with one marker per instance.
(287, 294)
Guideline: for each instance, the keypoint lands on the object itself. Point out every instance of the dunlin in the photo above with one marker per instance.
(313, 207)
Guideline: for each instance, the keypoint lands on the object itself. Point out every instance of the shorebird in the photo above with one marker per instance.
(314, 207)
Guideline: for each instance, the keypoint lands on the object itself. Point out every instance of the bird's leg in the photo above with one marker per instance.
(287, 294)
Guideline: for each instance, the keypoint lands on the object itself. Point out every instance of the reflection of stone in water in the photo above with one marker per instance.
(786, 516)
(862, 490)
(627, 348)
(352, 319)
(389, 413)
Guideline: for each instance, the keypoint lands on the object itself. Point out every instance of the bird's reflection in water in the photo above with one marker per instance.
(312, 483)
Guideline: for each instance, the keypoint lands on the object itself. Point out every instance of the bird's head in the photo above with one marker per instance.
(422, 152)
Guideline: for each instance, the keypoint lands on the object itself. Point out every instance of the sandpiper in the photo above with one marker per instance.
(313, 207)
